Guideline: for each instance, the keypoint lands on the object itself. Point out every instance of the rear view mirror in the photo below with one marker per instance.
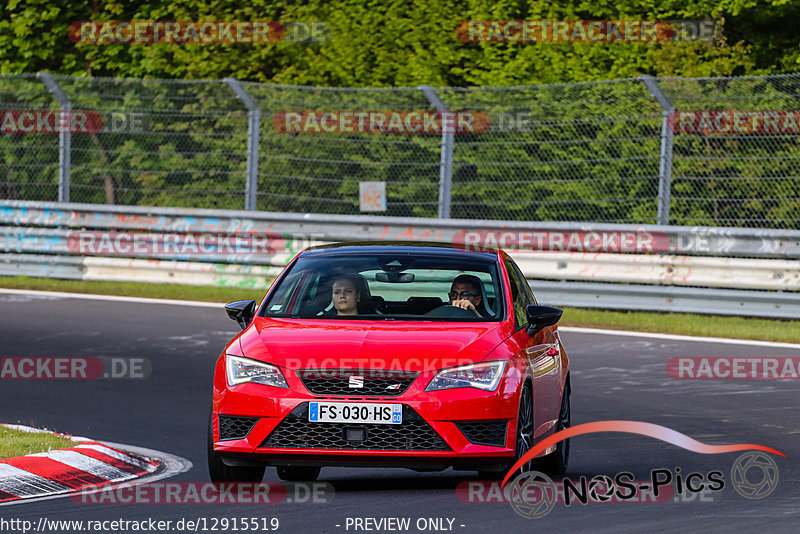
(541, 316)
(395, 278)
(241, 311)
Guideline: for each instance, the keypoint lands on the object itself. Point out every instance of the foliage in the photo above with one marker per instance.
(591, 151)
(397, 43)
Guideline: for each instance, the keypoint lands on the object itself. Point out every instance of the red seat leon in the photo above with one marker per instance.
(418, 355)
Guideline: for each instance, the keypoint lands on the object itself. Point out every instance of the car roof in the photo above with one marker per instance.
(428, 248)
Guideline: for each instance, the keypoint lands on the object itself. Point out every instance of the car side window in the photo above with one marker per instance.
(518, 296)
(284, 295)
(524, 283)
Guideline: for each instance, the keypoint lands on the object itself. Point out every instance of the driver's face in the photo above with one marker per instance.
(345, 297)
(464, 291)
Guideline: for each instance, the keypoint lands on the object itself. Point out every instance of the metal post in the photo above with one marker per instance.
(665, 164)
(253, 132)
(446, 159)
(64, 135)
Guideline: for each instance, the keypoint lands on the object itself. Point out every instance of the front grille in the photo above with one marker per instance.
(232, 427)
(491, 433)
(371, 382)
(413, 434)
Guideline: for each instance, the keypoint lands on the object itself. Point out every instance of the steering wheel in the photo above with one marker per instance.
(450, 311)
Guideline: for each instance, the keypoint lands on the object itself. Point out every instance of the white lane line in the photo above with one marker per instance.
(678, 337)
(86, 463)
(577, 329)
(23, 483)
(135, 462)
(112, 298)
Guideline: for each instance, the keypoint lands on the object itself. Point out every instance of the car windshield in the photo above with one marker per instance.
(386, 286)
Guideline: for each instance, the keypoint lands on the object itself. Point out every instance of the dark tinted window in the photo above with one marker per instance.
(524, 283)
(518, 296)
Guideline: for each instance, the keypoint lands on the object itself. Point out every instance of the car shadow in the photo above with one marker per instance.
(377, 480)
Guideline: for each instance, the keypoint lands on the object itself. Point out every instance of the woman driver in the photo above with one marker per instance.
(345, 295)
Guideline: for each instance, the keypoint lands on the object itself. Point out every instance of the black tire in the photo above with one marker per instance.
(216, 469)
(524, 440)
(298, 474)
(556, 462)
(219, 472)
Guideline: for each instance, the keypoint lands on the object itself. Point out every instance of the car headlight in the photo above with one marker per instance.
(480, 375)
(241, 370)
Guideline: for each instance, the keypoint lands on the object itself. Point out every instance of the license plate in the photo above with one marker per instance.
(355, 412)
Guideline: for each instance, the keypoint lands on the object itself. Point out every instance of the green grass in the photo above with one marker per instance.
(15, 443)
(134, 289)
(671, 323)
(685, 323)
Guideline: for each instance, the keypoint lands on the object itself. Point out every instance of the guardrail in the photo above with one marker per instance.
(556, 236)
(669, 299)
(138, 270)
(723, 271)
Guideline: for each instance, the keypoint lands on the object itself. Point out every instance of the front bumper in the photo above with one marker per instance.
(464, 428)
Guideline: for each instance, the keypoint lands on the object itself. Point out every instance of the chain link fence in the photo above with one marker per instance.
(751, 178)
(320, 173)
(666, 150)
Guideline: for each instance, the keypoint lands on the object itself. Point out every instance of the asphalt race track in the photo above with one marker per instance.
(613, 377)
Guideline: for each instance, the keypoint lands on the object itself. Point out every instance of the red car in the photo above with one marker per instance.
(422, 356)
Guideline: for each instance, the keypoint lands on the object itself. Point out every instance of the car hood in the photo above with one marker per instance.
(332, 343)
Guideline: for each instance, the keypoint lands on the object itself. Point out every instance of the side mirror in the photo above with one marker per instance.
(541, 316)
(241, 311)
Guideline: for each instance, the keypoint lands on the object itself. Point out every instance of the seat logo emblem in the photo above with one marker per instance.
(356, 382)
